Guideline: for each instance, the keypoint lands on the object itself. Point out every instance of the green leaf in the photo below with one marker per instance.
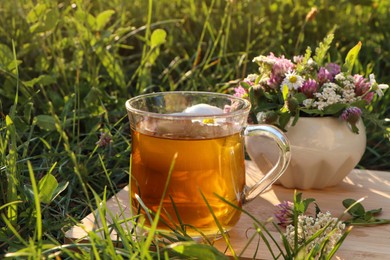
(354, 128)
(307, 202)
(195, 250)
(46, 22)
(103, 18)
(285, 92)
(112, 65)
(43, 80)
(245, 85)
(51, 19)
(28, 191)
(28, 111)
(298, 197)
(374, 211)
(334, 109)
(7, 60)
(368, 217)
(36, 12)
(311, 111)
(8, 120)
(45, 122)
(360, 104)
(295, 120)
(93, 98)
(351, 58)
(300, 97)
(6, 56)
(268, 96)
(284, 119)
(357, 210)
(301, 206)
(60, 188)
(158, 37)
(47, 186)
(83, 19)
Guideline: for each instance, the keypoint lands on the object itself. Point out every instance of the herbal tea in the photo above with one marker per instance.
(208, 166)
(200, 136)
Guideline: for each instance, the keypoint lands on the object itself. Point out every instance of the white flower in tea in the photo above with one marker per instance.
(203, 109)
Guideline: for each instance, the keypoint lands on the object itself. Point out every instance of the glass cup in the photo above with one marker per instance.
(188, 153)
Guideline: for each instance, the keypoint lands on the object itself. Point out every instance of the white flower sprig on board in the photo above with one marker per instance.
(308, 237)
(307, 86)
(319, 237)
(331, 228)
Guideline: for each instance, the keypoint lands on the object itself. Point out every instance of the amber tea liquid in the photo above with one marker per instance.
(208, 165)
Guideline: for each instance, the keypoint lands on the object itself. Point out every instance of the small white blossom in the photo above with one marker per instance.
(350, 78)
(328, 96)
(348, 91)
(339, 77)
(292, 80)
(252, 77)
(308, 102)
(311, 62)
(308, 226)
(298, 59)
(263, 59)
(377, 87)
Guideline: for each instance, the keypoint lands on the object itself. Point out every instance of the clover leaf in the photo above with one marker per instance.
(359, 215)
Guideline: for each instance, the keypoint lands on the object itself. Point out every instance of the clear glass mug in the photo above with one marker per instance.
(196, 138)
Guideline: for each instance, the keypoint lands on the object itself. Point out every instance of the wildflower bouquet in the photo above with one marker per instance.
(307, 86)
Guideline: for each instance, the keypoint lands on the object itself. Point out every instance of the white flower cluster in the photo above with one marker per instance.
(328, 96)
(251, 77)
(261, 59)
(341, 92)
(348, 87)
(308, 226)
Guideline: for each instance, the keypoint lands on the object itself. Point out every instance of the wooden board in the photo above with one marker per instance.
(362, 243)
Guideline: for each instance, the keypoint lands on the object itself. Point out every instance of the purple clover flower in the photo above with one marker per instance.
(104, 140)
(280, 67)
(324, 76)
(352, 116)
(333, 69)
(282, 62)
(274, 81)
(361, 85)
(368, 97)
(285, 213)
(309, 87)
(240, 92)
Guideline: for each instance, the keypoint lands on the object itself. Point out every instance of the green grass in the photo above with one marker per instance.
(67, 67)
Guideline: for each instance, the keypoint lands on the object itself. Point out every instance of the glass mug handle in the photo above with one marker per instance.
(269, 131)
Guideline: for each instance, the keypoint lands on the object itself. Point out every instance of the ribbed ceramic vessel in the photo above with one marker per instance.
(324, 151)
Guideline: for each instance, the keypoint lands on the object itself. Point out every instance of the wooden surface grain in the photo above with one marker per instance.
(362, 243)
